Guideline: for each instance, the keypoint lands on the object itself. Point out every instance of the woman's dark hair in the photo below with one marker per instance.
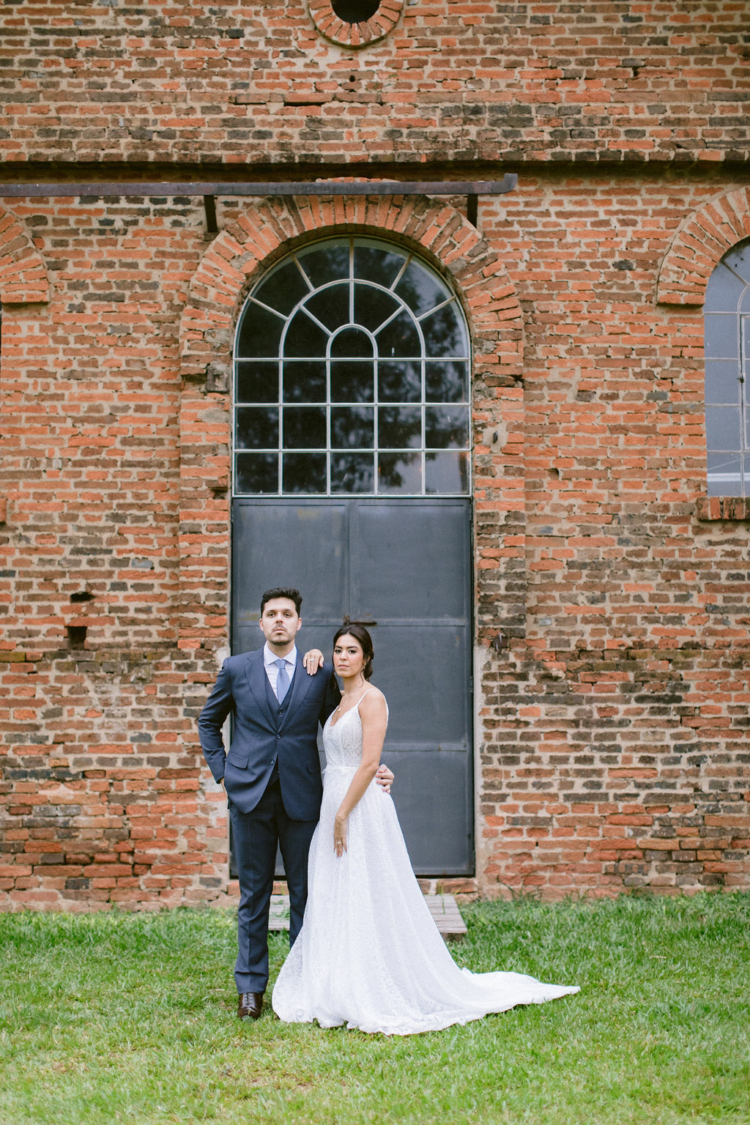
(360, 634)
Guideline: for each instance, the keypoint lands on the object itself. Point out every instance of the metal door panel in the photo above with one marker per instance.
(411, 560)
(428, 708)
(433, 795)
(405, 566)
(287, 544)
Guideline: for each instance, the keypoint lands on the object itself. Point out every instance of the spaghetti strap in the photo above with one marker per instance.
(362, 696)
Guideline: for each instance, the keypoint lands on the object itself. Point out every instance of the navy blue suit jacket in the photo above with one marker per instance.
(260, 738)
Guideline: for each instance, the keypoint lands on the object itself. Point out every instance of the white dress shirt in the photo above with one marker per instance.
(272, 670)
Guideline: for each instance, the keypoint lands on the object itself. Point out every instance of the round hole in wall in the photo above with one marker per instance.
(355, 11)
(355, 23)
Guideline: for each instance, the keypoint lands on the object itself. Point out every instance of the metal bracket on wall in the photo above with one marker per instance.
(209, 205)
(124, 188)
(472, 208)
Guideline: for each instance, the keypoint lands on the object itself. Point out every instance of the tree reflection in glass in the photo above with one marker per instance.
(352, 376)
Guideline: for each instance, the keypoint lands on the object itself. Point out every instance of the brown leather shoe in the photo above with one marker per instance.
(249, 1004)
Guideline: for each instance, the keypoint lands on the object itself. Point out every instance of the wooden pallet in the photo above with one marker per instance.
(443, 909)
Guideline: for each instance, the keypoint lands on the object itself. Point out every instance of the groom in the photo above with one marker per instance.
(271, 775)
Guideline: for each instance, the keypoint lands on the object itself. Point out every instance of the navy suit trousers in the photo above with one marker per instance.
(256, 836)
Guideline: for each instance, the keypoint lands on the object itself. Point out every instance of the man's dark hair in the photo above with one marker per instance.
(282, 592)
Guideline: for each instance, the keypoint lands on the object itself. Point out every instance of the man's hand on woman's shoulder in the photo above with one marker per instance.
(384, 778)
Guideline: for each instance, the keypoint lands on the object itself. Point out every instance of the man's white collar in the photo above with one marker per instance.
(270, 657)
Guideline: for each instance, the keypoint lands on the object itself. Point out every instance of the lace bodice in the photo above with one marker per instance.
(342, 741)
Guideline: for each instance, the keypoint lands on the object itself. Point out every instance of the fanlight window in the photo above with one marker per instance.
(727, 349)
(351, 377)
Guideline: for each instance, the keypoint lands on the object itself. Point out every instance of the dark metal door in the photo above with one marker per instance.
(403, 565)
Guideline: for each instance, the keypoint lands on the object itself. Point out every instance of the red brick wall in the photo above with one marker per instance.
(459, 80)
(620, 759)
(613, 725)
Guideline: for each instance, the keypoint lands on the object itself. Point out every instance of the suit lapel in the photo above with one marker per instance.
(299, 689)
(256, 677)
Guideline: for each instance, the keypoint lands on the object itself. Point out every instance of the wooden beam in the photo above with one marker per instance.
(124, 188)
(443, 908)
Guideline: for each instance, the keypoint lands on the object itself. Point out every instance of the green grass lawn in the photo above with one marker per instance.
(131, 1018)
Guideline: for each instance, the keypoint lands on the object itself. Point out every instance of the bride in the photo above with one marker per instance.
(369, 954)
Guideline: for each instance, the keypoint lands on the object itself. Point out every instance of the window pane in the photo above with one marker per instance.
(257, 427)
(304, 427)
(399, 338)
(260, 332)
(444, 332)
(351, 343)
(724, 476)
(372, 306)
(326, 264)
(420, 289)
(739, 259)
(722, 381)
(258, 382)
(352, 427)
(400, 427)
(352, 472)
(304, 382)
(257, 472)
(304, 472)
(723, 428)
(723, 291)
(331, 306)
(378, 265)
(283, 289)
(446, 472)
(447, 427)
(352, 381)
(399, 382)
(447, 382)
(304, 338)
(400, 472)
(720, 338)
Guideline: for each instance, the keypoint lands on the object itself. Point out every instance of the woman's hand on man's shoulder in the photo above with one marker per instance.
(313, 660)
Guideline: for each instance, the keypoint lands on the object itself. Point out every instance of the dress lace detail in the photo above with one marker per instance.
(369, 954)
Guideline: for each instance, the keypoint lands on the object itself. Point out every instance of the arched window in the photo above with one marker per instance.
(727, 348)
(351, 377)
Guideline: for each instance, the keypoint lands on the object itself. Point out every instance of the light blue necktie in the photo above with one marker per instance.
(282, 680)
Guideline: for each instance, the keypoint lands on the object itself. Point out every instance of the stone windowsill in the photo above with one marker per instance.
(723, 508)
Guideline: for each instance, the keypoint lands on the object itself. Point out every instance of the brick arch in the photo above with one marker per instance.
(267, 231)
(699, 244)
(23, 274)
(261, 235)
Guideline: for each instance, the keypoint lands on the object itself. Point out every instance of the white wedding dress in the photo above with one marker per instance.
(369, 954)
